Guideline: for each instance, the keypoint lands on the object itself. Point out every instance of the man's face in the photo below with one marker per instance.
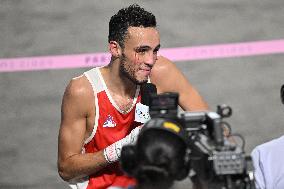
(139, 54)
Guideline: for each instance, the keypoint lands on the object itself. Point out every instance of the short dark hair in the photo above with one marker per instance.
(156, 160)
(134, 16)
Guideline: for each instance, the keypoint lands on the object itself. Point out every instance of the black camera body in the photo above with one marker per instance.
(212, 155)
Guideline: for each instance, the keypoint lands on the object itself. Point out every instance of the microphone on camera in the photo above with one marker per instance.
(142, 114)
(146, 90)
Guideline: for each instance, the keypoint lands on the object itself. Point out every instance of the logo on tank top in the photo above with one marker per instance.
(109, 122)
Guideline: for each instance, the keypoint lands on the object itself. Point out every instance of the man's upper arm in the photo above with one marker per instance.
(74, 113)
(169, 78)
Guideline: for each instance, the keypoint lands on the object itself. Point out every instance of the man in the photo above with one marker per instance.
(98, 107)
(268, 161)
(159, 158)
(268, 164)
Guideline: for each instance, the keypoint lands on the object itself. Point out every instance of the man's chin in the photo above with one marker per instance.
(140, 82)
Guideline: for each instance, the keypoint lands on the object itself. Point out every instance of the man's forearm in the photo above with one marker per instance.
(81, 165)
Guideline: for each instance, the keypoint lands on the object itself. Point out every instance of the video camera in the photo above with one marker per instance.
(213, 157)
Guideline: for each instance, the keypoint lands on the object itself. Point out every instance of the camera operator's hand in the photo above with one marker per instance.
(112, 152)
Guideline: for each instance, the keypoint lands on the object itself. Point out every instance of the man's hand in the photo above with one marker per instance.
(112, 152)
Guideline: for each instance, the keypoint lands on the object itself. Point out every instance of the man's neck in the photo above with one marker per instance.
(116, 83)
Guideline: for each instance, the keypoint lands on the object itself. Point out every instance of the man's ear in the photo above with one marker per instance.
(114, 49)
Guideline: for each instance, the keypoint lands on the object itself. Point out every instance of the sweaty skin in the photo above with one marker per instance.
(167, 77)
(130, 66)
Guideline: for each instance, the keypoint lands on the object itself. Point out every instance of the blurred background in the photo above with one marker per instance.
(30, 101)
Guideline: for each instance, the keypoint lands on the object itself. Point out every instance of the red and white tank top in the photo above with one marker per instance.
(111, 125)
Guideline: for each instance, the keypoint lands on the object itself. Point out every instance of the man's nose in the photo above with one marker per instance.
(150, 58)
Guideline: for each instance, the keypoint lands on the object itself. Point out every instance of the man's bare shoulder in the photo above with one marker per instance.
(163, 68)
(163, 63)
(79, 88)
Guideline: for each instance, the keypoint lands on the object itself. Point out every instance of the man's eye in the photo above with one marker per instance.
(141, 51)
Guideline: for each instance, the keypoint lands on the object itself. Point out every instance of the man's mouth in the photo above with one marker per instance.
(146, 71)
